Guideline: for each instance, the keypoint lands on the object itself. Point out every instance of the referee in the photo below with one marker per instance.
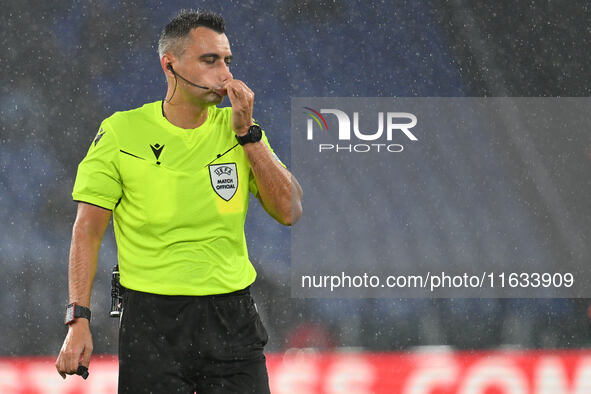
(176, 174)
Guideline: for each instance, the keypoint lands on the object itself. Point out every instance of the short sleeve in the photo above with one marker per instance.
(252, 185)
(98, 181)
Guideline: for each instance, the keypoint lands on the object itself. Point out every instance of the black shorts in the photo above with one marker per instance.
(186, 344)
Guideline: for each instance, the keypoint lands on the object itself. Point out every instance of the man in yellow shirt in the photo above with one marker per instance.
(176, 174)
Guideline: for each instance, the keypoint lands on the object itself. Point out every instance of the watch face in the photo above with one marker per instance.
(256, 133)
(69, 314)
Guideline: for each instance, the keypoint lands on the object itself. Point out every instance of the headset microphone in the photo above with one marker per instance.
(169, 66)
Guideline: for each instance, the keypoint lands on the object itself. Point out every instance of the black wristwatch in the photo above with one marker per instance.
(254, 134)
(74, 311)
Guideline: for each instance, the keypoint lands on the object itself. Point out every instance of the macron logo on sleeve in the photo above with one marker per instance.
(98, 137)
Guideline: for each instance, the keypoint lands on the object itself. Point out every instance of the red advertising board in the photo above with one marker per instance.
(307, 372)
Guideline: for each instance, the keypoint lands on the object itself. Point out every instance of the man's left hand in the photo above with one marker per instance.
(242, 100)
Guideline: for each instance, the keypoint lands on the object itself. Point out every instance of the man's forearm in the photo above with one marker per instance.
(87, 234)
(279, 191)
(83, 263)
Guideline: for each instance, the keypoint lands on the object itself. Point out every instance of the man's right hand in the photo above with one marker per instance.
(77, 348)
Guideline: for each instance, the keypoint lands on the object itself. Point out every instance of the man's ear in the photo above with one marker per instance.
(166, 63)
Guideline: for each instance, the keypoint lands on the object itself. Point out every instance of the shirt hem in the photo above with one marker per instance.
(93, 200)
(187, 292)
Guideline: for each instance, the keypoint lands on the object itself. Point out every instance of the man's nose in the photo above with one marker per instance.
(226, 75)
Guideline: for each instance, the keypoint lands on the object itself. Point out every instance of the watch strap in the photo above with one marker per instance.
(243, 139)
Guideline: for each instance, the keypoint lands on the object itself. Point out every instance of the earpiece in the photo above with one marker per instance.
(169, 66)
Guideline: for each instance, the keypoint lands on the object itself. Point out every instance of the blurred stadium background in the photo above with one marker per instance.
(66, 65)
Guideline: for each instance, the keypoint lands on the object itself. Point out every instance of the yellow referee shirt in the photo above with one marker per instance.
(179, 199)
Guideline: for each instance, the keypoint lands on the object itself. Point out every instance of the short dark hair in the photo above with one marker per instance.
(175, 32)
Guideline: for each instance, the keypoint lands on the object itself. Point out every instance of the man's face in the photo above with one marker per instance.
(205, 62)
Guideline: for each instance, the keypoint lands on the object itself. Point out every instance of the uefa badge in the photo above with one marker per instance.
(224, 179)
